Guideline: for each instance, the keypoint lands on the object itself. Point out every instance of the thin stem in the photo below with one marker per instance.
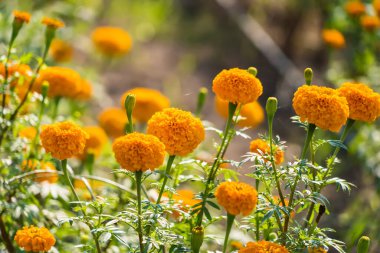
(257, 215)
(55, 107)
(230, 222)
(309, 136)
(138, 175)
(166, 176)
(68, 180)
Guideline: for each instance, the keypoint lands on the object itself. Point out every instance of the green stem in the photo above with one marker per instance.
(230, 222)
(257, 215)
(138, 175)
(166, 176)
(68, 180)
(55, 107)
(309, 136)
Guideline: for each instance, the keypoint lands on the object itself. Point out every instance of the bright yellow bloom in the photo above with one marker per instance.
(363, 102)
(260, 145)
(63, 82)
(21, 16)
(52, 23)
(148, 102)
(63, 140)
(19, 74)
(316, 250)
(252, 113)
(139, 152)
(34, 239)
(355, 8)
(237, 86)
(111, 41)
(96, 141)
(113, 121)
(321, 106)
(28, 133)
(370, 23)
(263, 247)
(179, 130)
(61, 51)
(85, 90)
(236, 197)
(333, 38)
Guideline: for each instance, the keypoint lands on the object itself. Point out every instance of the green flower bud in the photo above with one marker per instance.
(363, 244)
(271, 107)
(129, 104)
(252, 70)
(201, 100)
(197, 235)
(308, 75)
(44, 89)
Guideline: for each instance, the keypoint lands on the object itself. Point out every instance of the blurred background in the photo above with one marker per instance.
(180, 45)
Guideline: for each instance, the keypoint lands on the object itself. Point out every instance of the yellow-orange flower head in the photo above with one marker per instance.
(316, 250)
(18, 74)
(113, 121)
(333, 38)
(63, 140)
(52, 23)
(111, 41)
(21, 16)
(363, 102)
(376, 6)
(321, 106)
(259, 145)
(263, 247)
(236, 197)
(148, 102)
(179, 130)
(85, 90)
(370, 23)
(63, 82)
(252, 113)
(355, 8)
(139, 152)
(237, 86)
(28, 133)
(61, 51)
(96, 141)
(35, 239)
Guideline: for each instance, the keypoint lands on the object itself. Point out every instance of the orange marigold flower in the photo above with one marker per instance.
(370, 23)
(183, 198)
(21, 16)
(139, 152)
(259, 145)
(355, 8)
(148, 102)
(252, 113)
(63, 140)
(316, 250)
(236, 197)
(179, 130)
(263, 247)
(363, 102)
(28, 133)
(111, 41)
(61, 51)
(52, 23)
(236, 245)
(18, 74)
(237, 86)
(376, 6)
(96, 141)
(35, 239)
(85, 90)
(333, 38)
(63, 82)
(321, 106)
(113, 121)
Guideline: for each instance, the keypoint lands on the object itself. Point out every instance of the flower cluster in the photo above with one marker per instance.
(35, 239)
(139, 152)
(263, 247)
(321, 106)
(236, 197)
(179, 130)
(63, 140)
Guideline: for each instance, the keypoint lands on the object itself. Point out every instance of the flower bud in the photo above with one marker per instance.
(201, 99)
(308, 75)
(363, 244)
(129, 104)
(197, 235)
(271, 107)
(252, 70)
